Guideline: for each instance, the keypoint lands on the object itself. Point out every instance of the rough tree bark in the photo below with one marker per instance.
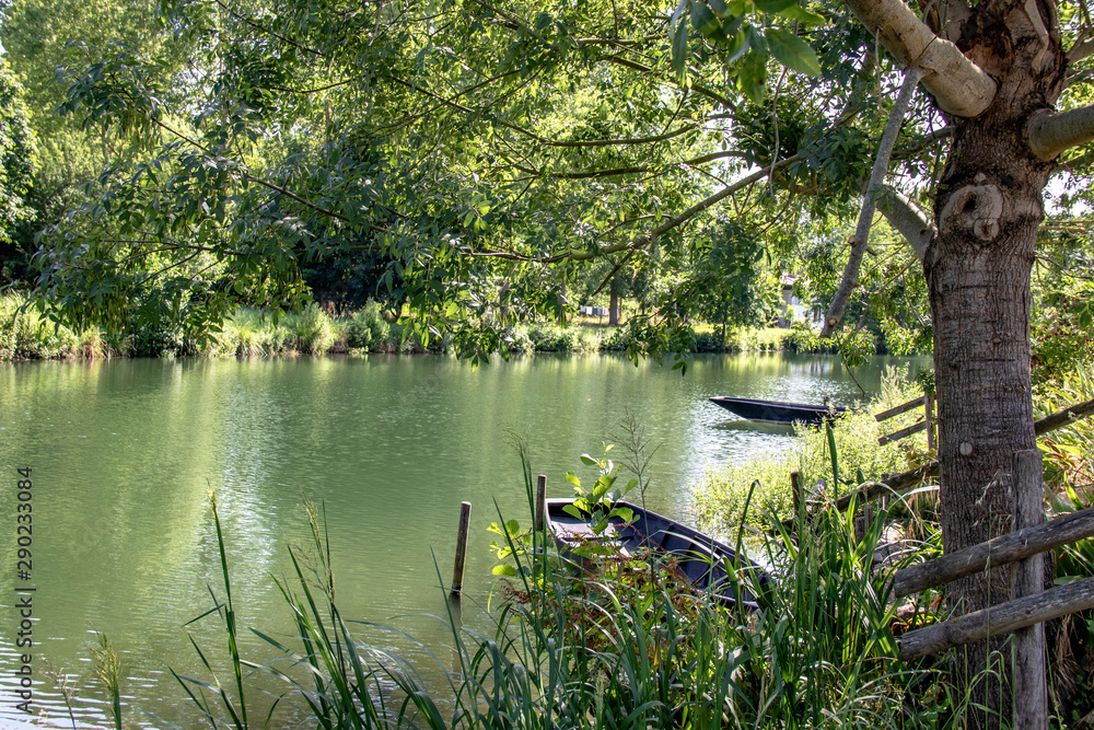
(987, 209)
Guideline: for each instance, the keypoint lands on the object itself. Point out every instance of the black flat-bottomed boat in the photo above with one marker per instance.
(777, 411)
(697, 558)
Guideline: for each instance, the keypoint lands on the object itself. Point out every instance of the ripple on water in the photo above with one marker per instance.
(125, 453)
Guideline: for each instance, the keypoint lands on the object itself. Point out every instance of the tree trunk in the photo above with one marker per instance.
(988, 208)
(615, 301)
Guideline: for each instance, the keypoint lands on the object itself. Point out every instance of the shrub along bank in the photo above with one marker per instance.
(27, 335)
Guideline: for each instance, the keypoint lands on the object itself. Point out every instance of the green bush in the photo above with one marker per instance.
(517, 341)
(368, 330)
(617, 340)
(25, 334)
(708, 342)
(312, 330)
(553, 338)
(762, 339)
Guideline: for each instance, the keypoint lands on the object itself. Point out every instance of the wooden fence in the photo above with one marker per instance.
(892, 484)
(1029, 607)
(928, 424)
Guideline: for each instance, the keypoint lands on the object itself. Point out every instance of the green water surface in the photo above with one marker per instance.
(124, 454)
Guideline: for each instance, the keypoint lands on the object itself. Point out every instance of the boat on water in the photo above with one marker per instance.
(778, 411)
(692, 556)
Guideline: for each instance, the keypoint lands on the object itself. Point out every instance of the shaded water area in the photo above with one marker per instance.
(124, 454)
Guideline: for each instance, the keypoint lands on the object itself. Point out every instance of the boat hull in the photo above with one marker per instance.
(697, 558)
(777, 411)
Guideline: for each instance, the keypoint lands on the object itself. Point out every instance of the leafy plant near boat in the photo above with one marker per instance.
(597, 503)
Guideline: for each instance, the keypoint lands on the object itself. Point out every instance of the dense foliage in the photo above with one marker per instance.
(472, 162)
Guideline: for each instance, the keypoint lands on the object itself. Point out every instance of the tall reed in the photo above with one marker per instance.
(570, 648)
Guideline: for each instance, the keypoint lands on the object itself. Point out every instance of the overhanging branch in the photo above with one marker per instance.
(907, 218)
(958, 85)
(645, 240)
(866, 215)
(1051, 133)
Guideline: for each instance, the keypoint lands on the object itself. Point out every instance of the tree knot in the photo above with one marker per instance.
(974, 210)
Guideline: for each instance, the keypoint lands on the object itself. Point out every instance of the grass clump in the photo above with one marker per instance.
(108, 672)
(367, 330)
(312, 330)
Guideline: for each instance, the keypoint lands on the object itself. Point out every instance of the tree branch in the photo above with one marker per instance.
(1050, 133)
(645, 240)
(866, 214)
(959, 86)
(907, 218)
(1082, 49)
(622, 140)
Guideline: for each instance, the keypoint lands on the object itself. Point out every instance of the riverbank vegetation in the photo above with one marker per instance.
(26, 334)
(590, 641)
(720, 499)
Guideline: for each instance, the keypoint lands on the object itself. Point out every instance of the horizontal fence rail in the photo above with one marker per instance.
(1001, 619)
(997, 551)
(897, 410)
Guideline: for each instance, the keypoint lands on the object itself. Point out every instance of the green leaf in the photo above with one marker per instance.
(752, 76)
(626, 513)
(589, 461)
(800, 14)
(774, 6)
(736, 47)
(573, 479)
(793, 52)
(573, 511)
(703, 20)
(504, 570)
(679, 37)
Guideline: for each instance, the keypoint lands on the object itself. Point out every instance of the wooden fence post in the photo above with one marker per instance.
(796, 491)
(928, 409)
(541, 502)
(1028, 665)
(461, 548)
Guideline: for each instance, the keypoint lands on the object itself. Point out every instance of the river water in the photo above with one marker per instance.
(124, 454)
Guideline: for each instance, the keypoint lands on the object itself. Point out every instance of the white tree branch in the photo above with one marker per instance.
(866, 216)
(958, 85)
(1050, 133)
(908, 219)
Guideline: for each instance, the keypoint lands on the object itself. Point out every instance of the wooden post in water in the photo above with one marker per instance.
(541, 501)
(461, 548)
(1028, 666)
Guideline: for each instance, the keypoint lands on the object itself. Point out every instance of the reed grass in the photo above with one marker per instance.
(569, 648)
(108, 673)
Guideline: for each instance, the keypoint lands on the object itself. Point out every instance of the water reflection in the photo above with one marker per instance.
(125, 452)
